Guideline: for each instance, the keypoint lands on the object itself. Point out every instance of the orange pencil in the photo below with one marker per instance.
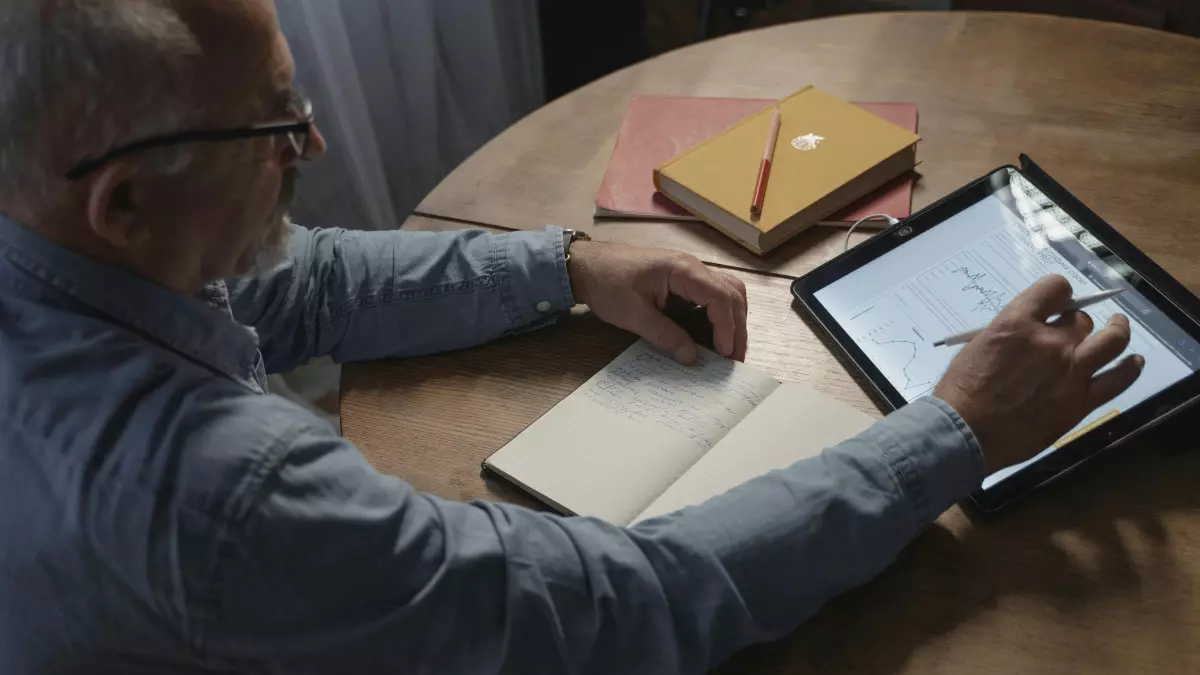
(764, 168)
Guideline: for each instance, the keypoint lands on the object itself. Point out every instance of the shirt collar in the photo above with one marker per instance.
(202, 328)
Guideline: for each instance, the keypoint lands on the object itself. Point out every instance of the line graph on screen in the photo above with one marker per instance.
(898, 345)
(966, 291)
(963, 291)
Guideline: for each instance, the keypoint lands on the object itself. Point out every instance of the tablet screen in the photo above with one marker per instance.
(957, 275)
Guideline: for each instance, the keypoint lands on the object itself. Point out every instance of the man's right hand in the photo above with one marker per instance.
(1024, 383)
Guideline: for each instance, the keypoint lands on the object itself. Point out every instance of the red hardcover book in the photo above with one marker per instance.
(657, 129)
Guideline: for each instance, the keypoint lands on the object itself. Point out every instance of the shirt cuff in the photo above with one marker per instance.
(532, 272)
(932, 452)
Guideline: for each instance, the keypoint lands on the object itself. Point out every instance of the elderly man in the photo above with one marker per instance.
(160, 512)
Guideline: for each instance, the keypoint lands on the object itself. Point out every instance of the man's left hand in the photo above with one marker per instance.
(628, 287)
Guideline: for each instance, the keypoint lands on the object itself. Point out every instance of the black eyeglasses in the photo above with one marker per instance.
(298, 133)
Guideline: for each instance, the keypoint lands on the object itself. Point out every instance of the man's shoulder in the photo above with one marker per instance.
(128, 466)
(232, 443)
(113, 412)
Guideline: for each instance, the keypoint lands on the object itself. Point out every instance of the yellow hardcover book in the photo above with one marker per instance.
(830, 153)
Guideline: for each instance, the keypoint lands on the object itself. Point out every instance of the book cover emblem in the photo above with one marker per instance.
(807, 142)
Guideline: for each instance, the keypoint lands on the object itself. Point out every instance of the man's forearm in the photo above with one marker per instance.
(752, 564)
(438, 586)
(791, 540)
(365, 295)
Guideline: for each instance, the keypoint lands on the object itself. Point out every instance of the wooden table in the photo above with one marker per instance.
(1100, 574)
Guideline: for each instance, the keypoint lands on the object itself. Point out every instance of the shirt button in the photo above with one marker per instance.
(544, 306)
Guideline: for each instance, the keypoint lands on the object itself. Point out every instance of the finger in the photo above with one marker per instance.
(722, 316)
(1046, 297)
(1076, 324)
(740, 335)
(1105, 345)
(659, 330)
(1108, 385)
(693, 281)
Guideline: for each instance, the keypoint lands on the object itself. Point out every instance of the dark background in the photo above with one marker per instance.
(584, 40)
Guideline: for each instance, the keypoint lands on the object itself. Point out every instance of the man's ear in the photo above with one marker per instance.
(114, 210)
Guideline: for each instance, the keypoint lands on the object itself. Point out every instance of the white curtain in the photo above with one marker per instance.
(404, 90)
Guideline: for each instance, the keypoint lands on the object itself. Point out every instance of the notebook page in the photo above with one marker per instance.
(617, 442)
(793, 423)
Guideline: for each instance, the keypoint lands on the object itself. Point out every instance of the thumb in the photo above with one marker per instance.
(665, 334)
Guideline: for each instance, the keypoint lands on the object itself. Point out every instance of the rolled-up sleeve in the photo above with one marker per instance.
(365, 295)
(341, 569)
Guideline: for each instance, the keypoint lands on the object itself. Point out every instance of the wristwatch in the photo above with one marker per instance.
(570, 237)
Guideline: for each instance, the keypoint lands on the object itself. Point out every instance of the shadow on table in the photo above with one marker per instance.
(578, 347)
(433, 420)
(1062, 547)
(946, 578)
(797, 256)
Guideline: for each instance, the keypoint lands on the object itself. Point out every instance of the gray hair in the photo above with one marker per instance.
(81, 77)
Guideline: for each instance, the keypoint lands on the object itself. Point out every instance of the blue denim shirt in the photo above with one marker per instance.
(160, 513)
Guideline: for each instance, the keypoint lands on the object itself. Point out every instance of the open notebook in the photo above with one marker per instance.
(646, 436)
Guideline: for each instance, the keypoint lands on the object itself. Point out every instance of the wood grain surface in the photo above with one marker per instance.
(1100, 573)
(1111, 111)
(433, 420)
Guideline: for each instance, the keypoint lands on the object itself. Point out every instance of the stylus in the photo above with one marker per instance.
(1072, 306)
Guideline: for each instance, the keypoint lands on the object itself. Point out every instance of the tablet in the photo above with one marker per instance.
(952, 266)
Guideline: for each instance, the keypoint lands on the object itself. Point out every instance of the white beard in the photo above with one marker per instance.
(273, 249)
